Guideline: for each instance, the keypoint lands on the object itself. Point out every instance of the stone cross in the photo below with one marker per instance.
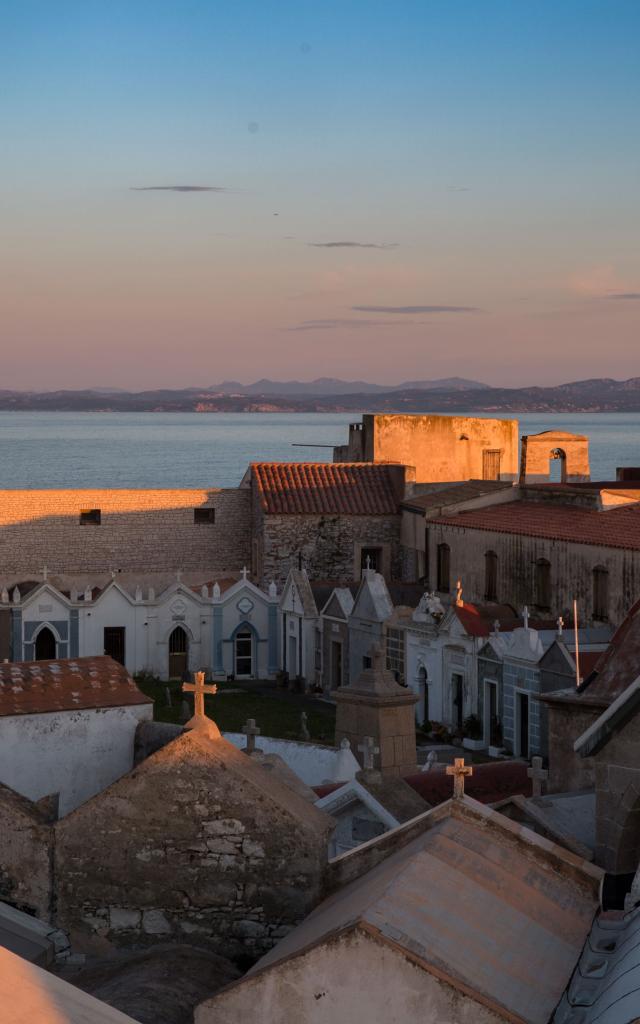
(525, 617)
(304, 732)
(245, 573)
(459, 600)
(537, 774)
(251, 730)
(198, 689)
(560, 625)
(368, 750)
(44, 572)
(459, 770)
(367, 562)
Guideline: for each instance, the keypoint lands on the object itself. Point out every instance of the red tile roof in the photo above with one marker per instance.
(488, 784)
(326, 488)
(615, 528)
(38, 687)
(479, 620)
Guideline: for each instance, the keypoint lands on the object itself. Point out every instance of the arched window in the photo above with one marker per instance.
(558, 466)
(178, 653)
(600, 593)
(444, 567)
(46, 647)
(543, 584)
(490, 576)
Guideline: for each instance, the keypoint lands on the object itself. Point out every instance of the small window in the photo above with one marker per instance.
(444, 568)
(543, 584)
(600, 593)
(490, 576)
(366, 662)
(201, 516)
(90, 517)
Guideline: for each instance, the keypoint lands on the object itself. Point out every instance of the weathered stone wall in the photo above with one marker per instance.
(26, 843)
(572, 566)
(329, 545)
(441, 448)
(568, 772)
(537, 451)
(139, 530)
(198, 843)
(617, 772)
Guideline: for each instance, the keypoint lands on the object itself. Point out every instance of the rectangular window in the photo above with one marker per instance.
(366, 661)
(317, 654)
(90, 517)
(395, 654)
(201, 516)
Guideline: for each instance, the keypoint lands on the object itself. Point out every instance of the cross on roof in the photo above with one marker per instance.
(459, 770)
(251, 730)
(459, 600)
(198, 689)
(525, 617)
(560, 624)
(245, 573)
(537, 774)
(368, 750)
(44, 572)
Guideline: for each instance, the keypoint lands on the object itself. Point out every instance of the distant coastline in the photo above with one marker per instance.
(454, 395)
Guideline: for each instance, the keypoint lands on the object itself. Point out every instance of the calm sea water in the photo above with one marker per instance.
(214, 449)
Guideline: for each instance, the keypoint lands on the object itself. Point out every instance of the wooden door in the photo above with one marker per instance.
(491, 464)
(178, 653)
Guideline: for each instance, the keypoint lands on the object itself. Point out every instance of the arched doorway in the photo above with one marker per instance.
(243, 654)
(178, 653)
(46, 646)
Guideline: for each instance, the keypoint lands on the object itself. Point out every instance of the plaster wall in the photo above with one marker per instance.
(139, 530)
(441, 448)
(313, 763)
(572, 567)
(73, 753)
(318, 987)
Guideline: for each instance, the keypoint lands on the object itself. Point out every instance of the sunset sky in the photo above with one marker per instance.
(386, 190)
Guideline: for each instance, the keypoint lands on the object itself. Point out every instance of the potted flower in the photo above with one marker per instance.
(472, 738)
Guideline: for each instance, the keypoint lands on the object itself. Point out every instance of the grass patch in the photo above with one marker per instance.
(276, 714)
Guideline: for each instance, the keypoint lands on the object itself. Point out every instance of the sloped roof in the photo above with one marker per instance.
(605, 987)
(484, 904)
(620, 665)
(454, 495)
(480, 619)
(619, 527)
(38, 687)
(326, 488)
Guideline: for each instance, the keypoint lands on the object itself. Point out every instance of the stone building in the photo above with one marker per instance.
(439, 448)
(67, 727)
(334, 519)
(541, 453)
(545, 547)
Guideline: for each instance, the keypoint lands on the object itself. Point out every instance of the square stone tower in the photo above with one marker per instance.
(376, 707)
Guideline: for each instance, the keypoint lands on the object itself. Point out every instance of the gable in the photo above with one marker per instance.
(333, 609)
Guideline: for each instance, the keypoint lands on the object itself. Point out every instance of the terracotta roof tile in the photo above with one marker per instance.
(38, 687)
(615, 528)
(326, 488)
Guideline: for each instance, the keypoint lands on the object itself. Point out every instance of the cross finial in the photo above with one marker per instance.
(245, 572)
(459, 600)
(560, 624)
(198, 689)
(496, 627)
(251, 730)
(179, 575)
(368, 750)
(367, 562)
(459, 770)
(44, 572)
(525, 616)
(537, 774)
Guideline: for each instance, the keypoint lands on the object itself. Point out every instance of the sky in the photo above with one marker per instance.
(193, 192)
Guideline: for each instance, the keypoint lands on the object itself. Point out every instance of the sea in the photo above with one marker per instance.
(96, 449)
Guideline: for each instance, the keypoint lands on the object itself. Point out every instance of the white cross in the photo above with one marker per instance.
(251, 730)
(245, 572)
(560, 625)
(44, 572)
(525, 616)
(537, 774)
(198, 689)
(367, 562)
(368, 750)
(459, 770)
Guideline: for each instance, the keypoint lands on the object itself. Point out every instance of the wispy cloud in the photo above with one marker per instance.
(349, 324)
(622, 295)
(179, 188)
(415, 309)
(457, 188)
(353, 245)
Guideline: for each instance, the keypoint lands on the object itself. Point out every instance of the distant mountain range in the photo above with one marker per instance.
(453, 394)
